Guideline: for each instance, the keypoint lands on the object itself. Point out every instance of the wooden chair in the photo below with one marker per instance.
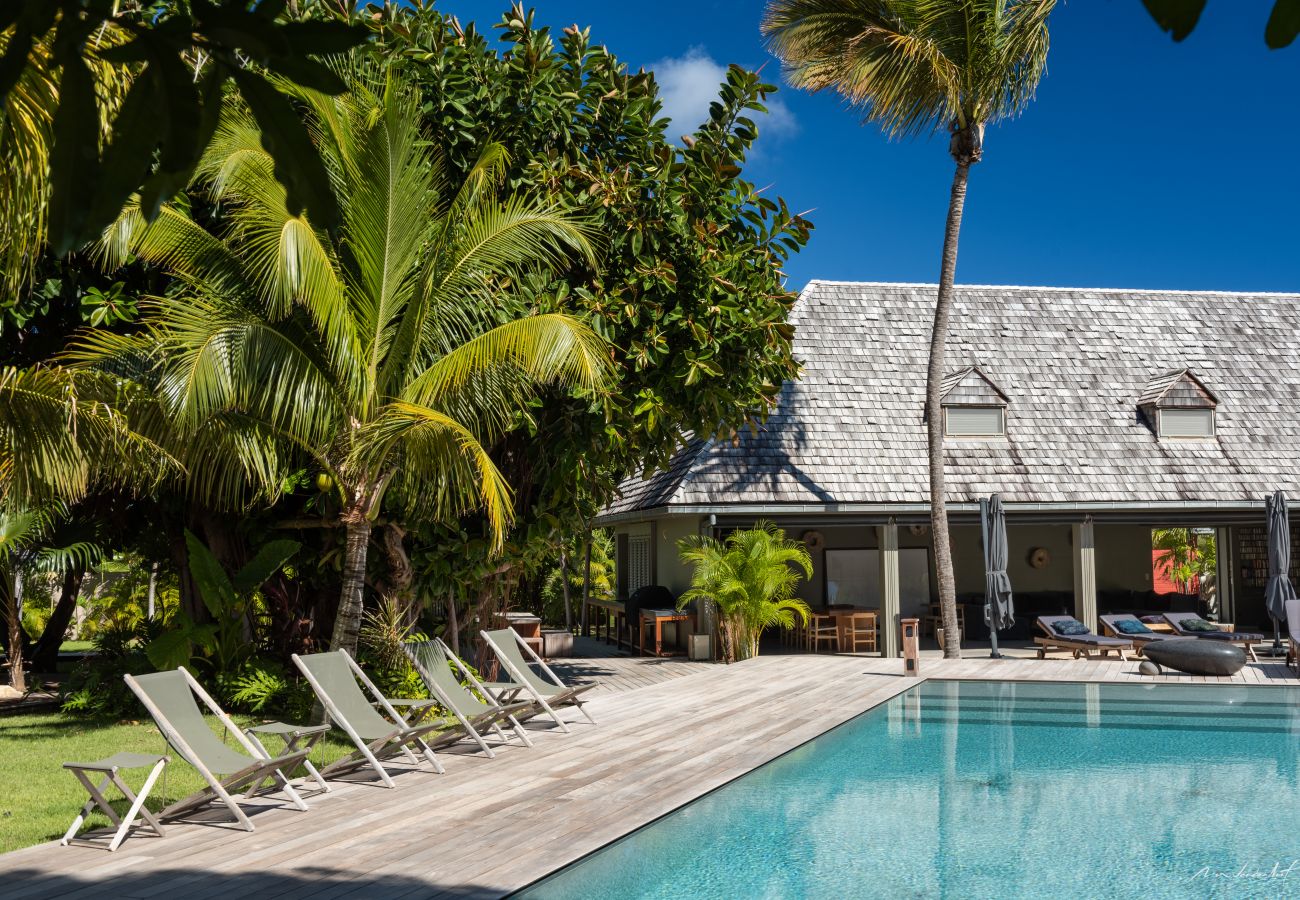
(860, 633)
(823, 629)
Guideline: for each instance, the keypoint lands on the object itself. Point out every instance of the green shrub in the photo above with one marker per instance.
(34, 620)
(96, 686)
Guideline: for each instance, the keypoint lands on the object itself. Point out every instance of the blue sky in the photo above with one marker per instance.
(1142, 164)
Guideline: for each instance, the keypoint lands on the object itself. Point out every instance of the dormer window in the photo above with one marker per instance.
(973, 406)
(1178, 406)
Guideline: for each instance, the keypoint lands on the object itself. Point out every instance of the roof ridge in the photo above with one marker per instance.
(1179, 292)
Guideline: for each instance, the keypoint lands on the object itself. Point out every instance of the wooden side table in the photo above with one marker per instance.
(658, 617)
(110, 767)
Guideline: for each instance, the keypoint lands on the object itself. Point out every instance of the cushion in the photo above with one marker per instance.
(1131, 626)
(1069, 627)
(1199, 625)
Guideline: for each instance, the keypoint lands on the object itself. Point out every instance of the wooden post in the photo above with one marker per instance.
(890, 604)
(1085, 573)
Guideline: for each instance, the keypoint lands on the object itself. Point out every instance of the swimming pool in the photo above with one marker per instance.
(994, 789)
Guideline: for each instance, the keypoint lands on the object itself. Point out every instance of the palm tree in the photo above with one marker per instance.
(390, 353)
(918, 67)
(750, 577)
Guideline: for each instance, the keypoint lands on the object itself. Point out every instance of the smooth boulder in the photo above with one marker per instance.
(1197, 657)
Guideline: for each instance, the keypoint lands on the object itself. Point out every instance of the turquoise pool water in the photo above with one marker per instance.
(988, 789)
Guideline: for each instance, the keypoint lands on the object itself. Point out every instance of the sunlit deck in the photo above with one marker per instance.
(488, 827)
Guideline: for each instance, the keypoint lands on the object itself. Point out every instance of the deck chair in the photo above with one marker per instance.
(1187, 624)
(1079, 644)
(549, 695)
(169, 698)
(1293, 633)
(334, 676)
(433, 660)
(1129, 627)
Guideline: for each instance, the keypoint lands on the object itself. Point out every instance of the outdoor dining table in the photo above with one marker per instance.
(844, 620)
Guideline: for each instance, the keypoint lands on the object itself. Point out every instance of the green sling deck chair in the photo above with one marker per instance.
(509, 648)
(169, 698)
(433, 660)
(334, 676)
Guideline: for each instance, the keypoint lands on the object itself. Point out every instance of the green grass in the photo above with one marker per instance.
(76, 646)
(38, 798)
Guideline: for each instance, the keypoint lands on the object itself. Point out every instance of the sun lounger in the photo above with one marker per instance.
(550, 695)
(1084, 644)
(169, 698)
(1127, 627)
(1293, 633)
(433, 660)
(337, 680)
(1189, 624)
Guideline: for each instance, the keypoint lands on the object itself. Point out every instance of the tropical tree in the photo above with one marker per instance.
(23, 554)
(918, 67)
(750, 577)
(387, 352)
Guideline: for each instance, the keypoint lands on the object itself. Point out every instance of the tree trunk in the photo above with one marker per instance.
(153, 591)
(401, 575)
(453, 624)
(347, 623)
(934, 412)
(45, 655)
(586, 573)
(15, 649)
(564, 587)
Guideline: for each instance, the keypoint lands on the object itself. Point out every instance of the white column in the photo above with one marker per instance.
(887, 541)
(1085, 573)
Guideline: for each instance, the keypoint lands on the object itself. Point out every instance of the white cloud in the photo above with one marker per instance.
(690, 82)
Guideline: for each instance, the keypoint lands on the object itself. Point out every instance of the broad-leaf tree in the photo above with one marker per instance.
(383, 352)
(690, 293)
(917, 67)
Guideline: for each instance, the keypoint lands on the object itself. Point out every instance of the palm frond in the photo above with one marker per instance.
(915, 66)
(551, 348)
(442, 467)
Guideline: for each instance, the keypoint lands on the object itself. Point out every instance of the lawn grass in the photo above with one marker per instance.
(76, 646)
(38, 798)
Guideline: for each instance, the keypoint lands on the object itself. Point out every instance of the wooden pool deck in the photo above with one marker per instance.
(489, 827)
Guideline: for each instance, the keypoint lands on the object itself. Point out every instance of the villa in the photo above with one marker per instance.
(1097, 415)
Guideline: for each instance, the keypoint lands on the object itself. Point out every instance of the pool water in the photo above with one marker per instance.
(994, 789)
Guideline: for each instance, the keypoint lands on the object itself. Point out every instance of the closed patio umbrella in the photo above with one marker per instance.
(1279, 589)
(999, 610)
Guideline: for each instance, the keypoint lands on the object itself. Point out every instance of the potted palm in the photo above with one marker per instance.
(750, 578)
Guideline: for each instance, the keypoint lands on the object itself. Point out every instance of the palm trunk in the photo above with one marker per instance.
(45, 655)
(564, 588)
(586, 573)
(347, 622)
(453, 624)
(15, 649)
(934, 414)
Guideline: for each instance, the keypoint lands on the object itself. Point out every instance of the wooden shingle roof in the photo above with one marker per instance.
(1074, 365)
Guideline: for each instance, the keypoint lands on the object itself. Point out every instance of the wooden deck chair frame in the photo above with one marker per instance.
(505, 692)
(220, 789)
(1052, 641)
(490, 719)
(370, 753)
(515, 712)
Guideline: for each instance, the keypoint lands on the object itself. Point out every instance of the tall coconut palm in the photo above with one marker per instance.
(389, 353)
(750, 577)
(918, 67)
